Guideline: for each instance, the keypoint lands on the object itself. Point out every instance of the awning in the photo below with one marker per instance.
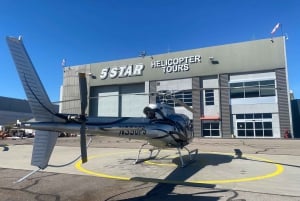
(210, 118)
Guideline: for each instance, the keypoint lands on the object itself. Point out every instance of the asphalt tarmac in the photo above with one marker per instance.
(224, 169)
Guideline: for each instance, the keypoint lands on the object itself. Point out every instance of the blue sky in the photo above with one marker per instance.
(87, 31)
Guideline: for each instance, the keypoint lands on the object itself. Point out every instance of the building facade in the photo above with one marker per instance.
(238, 89)
(12, 109)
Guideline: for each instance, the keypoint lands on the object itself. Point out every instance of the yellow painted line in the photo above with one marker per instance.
(78, 165)
(278, 171)
(162, 164)
(80, 168)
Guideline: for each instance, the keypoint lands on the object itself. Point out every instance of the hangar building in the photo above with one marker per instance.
(236, 90)
(12, 109)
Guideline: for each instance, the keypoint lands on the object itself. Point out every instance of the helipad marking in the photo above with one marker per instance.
(279, 170)
(78, 165)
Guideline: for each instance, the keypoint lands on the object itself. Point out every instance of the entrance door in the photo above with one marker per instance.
(254, 128)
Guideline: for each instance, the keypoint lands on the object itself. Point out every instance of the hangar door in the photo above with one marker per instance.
(118, 101)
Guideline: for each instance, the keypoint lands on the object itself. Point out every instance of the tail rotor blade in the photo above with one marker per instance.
(83, 143)
(83, 105)
(83, 92)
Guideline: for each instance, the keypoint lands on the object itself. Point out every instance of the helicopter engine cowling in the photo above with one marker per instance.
(158, 111)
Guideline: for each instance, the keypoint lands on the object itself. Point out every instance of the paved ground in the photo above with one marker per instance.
(266, 170)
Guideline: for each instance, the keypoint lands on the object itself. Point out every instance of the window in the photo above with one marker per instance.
(209, 97)
(249, 116)
(252, 89)
(267, 88)
(240, 116)
(211, 129)
(259, 115)
(236, 90)
(259, 129)
(267, 115)
(167, 97)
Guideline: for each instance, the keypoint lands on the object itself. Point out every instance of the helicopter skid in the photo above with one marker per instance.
(151, 156)
(192, 155)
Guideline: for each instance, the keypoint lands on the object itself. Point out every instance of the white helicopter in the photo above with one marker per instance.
(161, 128)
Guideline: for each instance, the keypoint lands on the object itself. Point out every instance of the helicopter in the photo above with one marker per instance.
(161, 127)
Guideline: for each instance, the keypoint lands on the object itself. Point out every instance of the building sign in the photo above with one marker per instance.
(171, 65)
(177, 64)
(122, 71)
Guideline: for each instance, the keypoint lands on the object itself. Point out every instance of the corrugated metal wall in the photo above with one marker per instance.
(283, 101)
(196, 106)
(152, 89)
(225, 107)
(70, 89)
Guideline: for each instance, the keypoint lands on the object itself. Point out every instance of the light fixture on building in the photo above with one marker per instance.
(213, 60)
(92, 75)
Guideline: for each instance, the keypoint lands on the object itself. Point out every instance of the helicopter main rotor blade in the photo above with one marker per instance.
(176, 100)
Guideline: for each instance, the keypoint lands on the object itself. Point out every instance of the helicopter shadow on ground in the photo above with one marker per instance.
(239, 155)
(165, 187)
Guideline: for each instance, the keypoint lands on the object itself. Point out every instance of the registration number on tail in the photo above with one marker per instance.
(140, 131)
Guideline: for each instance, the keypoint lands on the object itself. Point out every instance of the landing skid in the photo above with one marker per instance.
(151, 156)
(192, 154)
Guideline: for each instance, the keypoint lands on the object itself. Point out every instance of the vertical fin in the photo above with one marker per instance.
(39, 102)
(44, 143)
(35, 92)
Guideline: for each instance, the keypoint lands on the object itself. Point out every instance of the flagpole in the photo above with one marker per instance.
(282, 32)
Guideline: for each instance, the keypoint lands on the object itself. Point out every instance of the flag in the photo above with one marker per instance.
(63, 63)
(275, 28)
